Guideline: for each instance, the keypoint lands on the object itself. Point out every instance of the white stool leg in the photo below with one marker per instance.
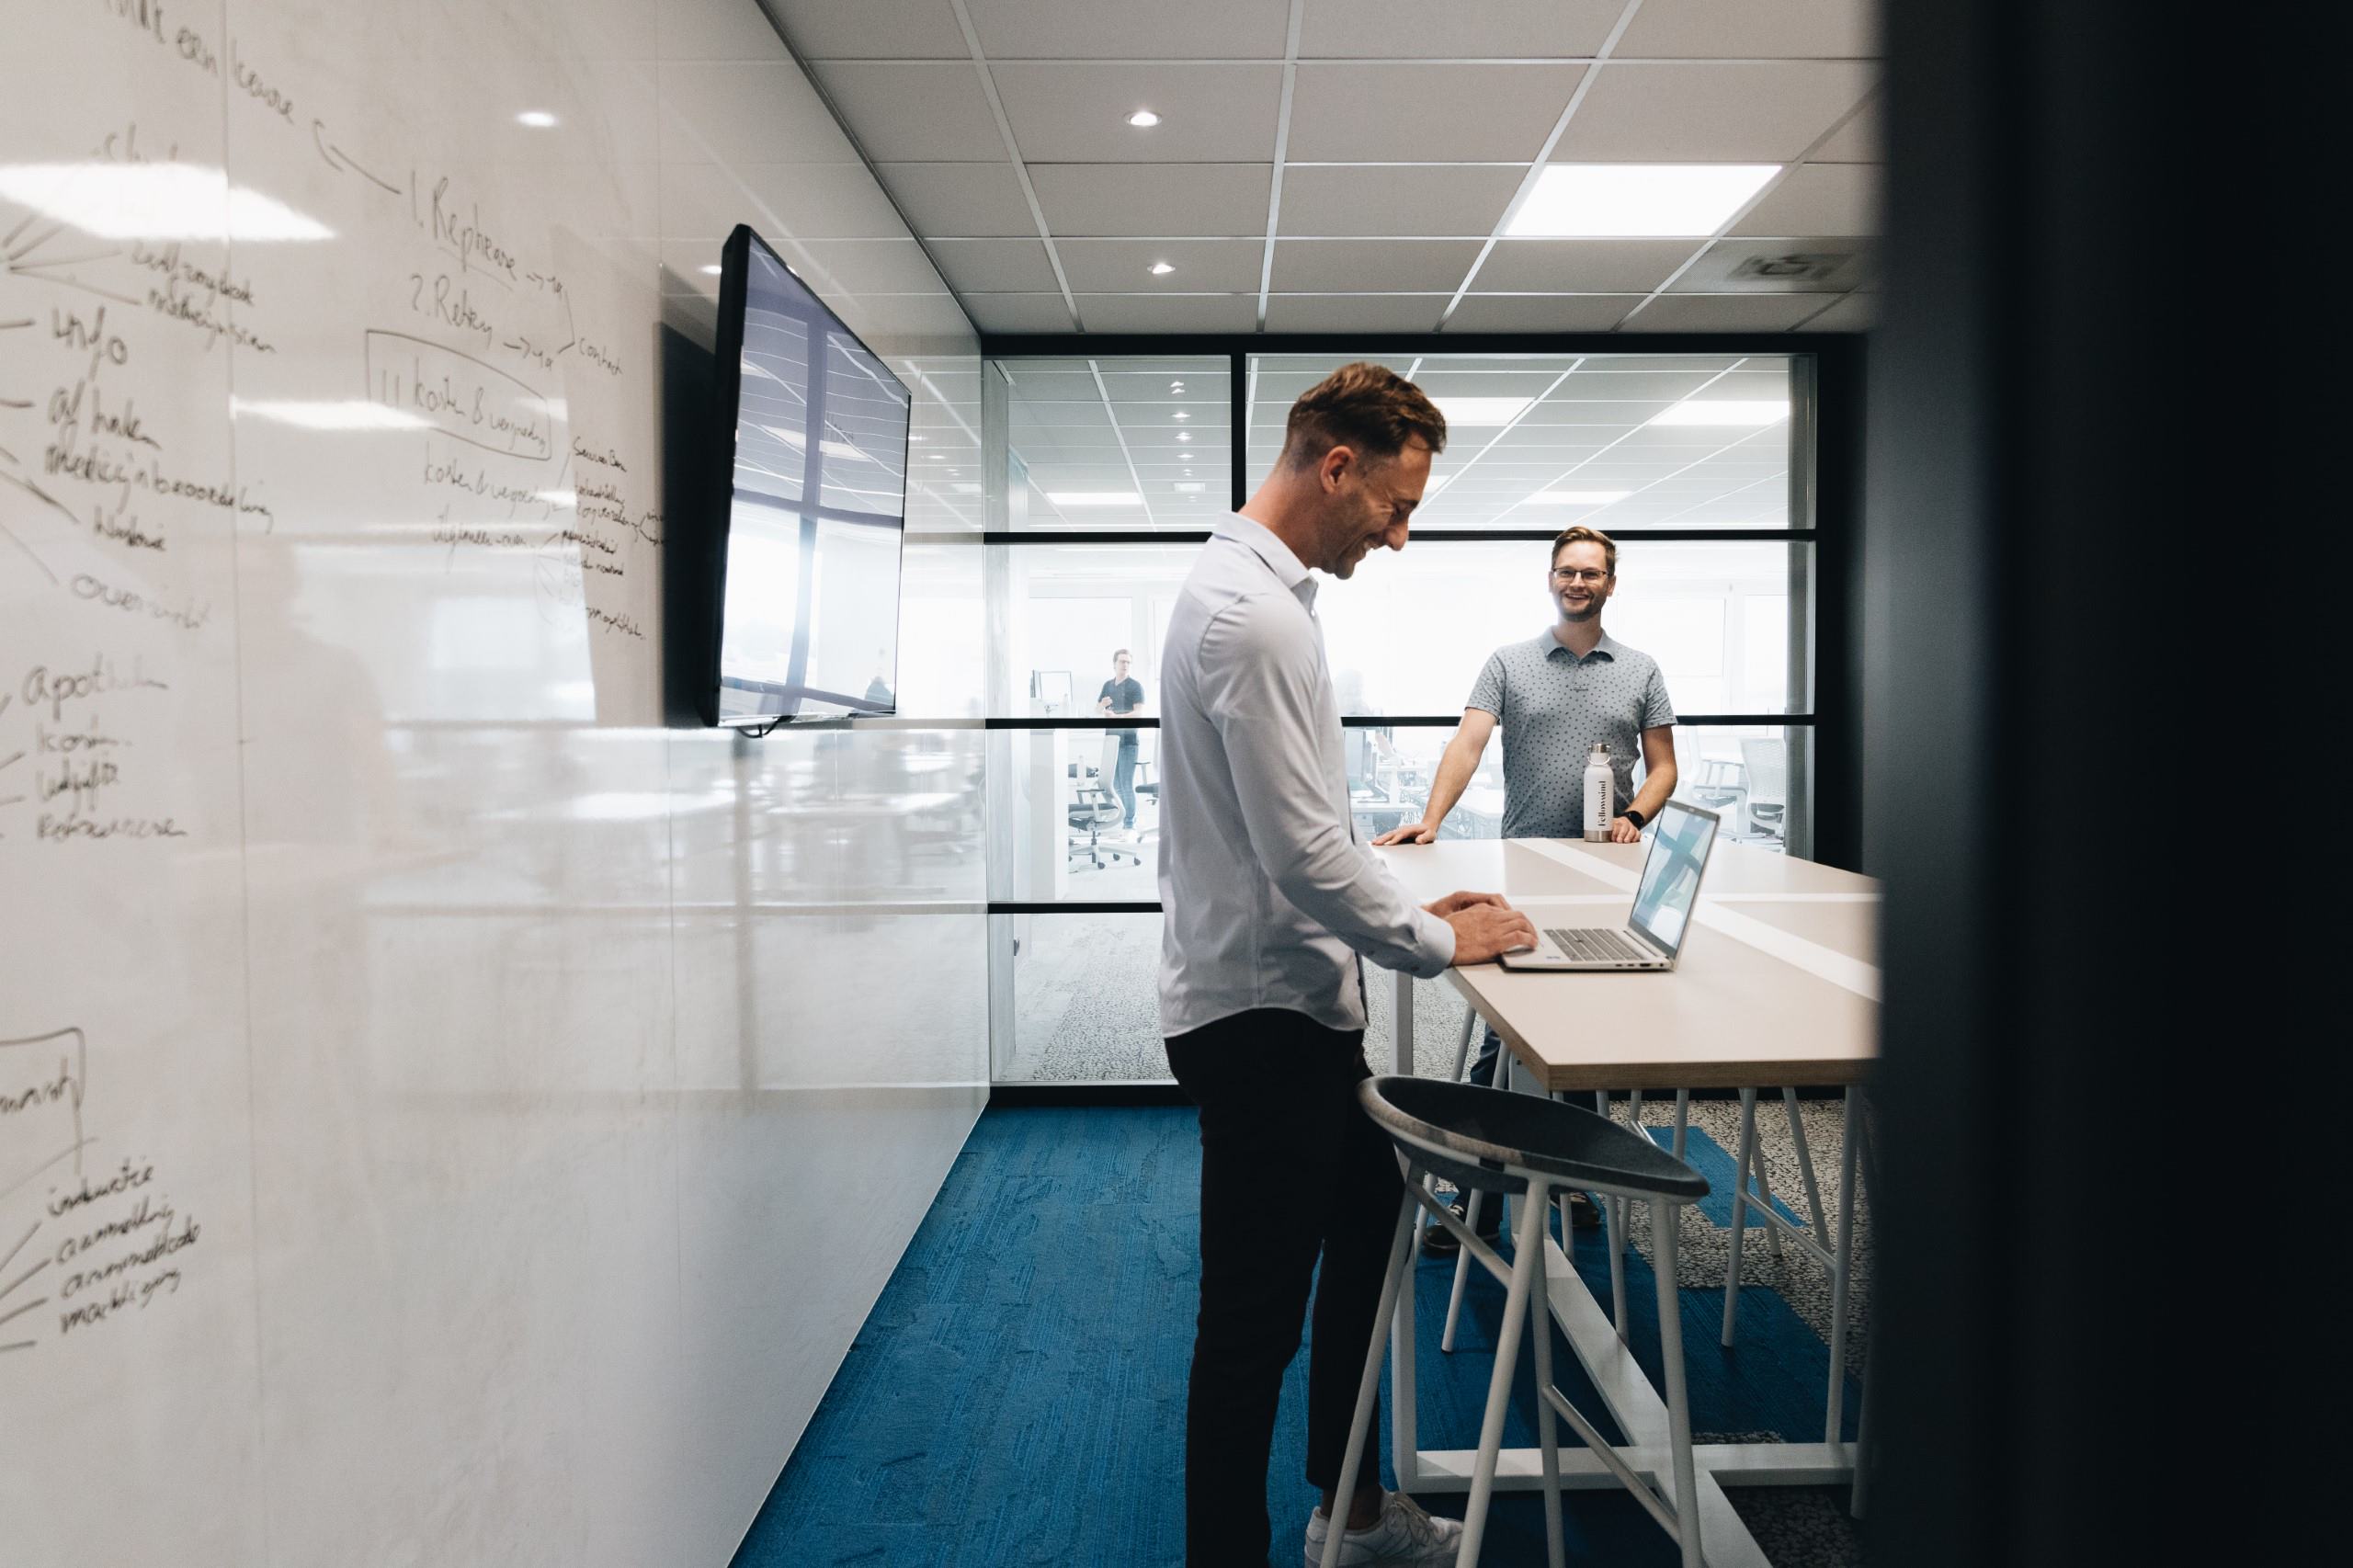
(1805, 1164)
(1840, 1258)
(1462, 1051)
(1368, 1385)
(1763, 1180)
(1540, 1328)
(1678, 1412)
(1740, 1206)
(1529, 1244)
(1461, 1272)
(1682, 1119)
(1613, 1214)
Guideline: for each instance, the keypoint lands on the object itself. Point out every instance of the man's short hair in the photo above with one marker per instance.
(1367, 408)
(1577, 533)
(1120, 653)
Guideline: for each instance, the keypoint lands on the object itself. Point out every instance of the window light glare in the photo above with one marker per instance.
(1723, 411)
(347, 414)
(537, 119)
(1637, 200)
(1576, 497)
(1143, 119)
(154, 202)
(1482, 411)
(712, 271)
(1094, 497)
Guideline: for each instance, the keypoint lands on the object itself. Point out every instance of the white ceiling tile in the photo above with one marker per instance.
(915, 110)
(1584, 267)
(1093, 29)
(1720, 269)
(1853, 312)
(1066, 112)
(1354, 312)
(710, 104)
(1819, 198)
(1541, 312)
(716, 29)
(1122, 267)
(1168, 312)
(862, 267)
(870, 29)
(1152, 199)
(1669, 114)
(1402, 29)
(995, 267)
(1753, 29)
(1396, 198)
(778, 200)
(1369, 266)
(960, 199)
(1862, 139)
(1724, 313)
(1416, 113)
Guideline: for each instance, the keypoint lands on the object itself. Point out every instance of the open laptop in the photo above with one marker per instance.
(1652, 937)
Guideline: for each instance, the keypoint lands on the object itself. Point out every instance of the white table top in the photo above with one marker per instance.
(1779, 983)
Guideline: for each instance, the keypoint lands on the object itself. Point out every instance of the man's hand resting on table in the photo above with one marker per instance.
(1623, 831)
(1485, 925)
(1408, 833)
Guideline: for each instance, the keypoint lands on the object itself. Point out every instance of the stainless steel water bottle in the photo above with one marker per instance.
(1601, 784)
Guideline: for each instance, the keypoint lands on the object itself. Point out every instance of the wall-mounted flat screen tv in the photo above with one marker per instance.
(813, 431)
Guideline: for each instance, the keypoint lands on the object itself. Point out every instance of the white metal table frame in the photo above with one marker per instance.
(1634, 1404)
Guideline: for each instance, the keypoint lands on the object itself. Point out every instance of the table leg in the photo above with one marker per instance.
(1740, 1206)
(1613, 1216)
(1842, 1263)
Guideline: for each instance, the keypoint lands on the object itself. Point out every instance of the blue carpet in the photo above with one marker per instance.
(1017, 1395)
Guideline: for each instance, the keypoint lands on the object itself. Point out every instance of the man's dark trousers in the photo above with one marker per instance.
(1292, 1167)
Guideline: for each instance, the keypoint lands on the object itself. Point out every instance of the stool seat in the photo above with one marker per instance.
(1493, 1128)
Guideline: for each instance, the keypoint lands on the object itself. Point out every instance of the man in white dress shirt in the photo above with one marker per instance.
(1268, 902)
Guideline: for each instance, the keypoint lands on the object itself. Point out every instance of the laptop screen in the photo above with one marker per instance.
(1670, 885)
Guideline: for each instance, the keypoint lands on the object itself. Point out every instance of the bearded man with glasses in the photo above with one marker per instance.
(1556, 695)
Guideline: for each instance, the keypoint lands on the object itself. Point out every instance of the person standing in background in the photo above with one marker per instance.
(1269, 901)
(1121, 696)
(1556, 695)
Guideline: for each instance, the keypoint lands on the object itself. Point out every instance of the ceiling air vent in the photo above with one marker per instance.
(1812, 266)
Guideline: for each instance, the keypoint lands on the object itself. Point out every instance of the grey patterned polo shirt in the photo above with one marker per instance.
(1552, 707)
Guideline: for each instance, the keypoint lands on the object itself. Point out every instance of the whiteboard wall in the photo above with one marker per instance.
(445, 1115)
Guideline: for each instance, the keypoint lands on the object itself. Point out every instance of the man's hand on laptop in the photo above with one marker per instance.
(1408, 833)
(1485, 925)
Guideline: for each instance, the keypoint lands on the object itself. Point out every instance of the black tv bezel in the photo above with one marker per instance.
(735, 270)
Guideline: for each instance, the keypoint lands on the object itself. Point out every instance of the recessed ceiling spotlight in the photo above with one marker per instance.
(538, 118)
(1143, 119)
(1184, 488)
(1637, 200)
(1183, 435)
(939, 457)
(1161, 269)
(1182, 414)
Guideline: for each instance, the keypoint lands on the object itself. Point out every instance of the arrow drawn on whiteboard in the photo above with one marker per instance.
(13, 325)
(339, 160)
(52, 501)
(19, 252)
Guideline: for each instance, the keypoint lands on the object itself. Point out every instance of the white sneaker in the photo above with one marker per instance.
(1403, 1536)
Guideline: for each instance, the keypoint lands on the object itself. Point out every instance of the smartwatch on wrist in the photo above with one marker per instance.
(1634, 816)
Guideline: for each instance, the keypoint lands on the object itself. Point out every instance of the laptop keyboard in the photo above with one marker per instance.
(1598, 944)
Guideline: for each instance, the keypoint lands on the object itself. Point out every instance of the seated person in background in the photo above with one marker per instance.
(1556, 694)
(1122, 695)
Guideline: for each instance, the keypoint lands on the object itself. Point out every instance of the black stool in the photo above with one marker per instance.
(1527, 1147)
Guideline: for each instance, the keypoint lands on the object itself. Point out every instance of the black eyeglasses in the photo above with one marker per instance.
(1578, 575)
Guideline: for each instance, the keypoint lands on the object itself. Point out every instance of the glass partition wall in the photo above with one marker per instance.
(1102, 476)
